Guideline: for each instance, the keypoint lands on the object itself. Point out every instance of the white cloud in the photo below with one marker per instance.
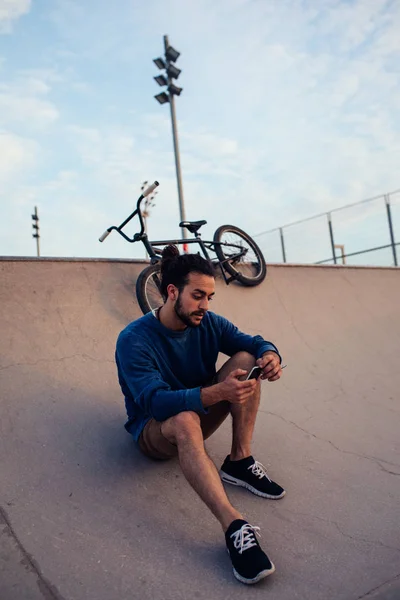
(11, 10)
(351, 24)
(29, 111)
(23, 100)
(18, 154)
(211, 144)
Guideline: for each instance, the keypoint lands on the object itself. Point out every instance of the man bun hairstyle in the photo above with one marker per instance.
(176, 268)
(170, 252)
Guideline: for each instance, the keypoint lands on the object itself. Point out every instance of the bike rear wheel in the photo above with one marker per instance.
(249, 268)
(148, 292)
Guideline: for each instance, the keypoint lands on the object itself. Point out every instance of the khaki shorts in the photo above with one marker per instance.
(155, 445)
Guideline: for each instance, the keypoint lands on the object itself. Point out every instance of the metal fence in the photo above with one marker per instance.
(363, 233)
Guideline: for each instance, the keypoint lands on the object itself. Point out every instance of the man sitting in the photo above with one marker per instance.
(175, 399)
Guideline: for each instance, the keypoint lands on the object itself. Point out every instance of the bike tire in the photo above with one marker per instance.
(252, 273)
(147, 293)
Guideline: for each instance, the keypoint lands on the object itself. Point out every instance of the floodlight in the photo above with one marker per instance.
(174, 89)
(161, 80)
(173, 71)
(172, 54)
(160, 63)
(162, 98)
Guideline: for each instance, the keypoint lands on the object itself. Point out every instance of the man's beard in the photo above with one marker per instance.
(185, 317)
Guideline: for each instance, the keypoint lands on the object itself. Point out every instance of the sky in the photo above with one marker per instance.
(289, 108)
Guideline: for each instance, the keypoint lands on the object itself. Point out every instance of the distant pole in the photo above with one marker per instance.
(391, 231)
(282, 244)
(35, 225)
(332, 238)
(341, 248)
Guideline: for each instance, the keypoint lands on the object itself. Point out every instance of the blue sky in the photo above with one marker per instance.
(289, 108)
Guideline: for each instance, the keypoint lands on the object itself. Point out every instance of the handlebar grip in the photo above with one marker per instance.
(150, 189)
(103, 237)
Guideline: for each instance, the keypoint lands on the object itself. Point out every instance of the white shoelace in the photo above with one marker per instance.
(244, 538)
(259, 470)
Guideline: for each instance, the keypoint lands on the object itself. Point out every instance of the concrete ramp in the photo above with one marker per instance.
(84, 516)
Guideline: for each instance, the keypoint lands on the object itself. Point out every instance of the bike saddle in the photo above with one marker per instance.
(192, 226)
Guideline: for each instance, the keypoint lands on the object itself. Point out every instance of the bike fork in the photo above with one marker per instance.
(229, 279)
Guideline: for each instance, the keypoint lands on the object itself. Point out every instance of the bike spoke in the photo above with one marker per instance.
(240, 254)
(153, 294)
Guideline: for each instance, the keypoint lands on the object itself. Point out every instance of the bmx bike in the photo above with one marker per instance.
(237, 255)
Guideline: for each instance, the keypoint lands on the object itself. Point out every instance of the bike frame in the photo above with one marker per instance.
(154, 253)
(204, 245)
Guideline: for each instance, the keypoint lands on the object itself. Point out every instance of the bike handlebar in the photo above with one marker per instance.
(104, 235)
(150, 189)
(146, 192)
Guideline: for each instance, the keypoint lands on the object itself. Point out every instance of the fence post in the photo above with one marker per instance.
(392, 240)
(331, 235)
(282, 244)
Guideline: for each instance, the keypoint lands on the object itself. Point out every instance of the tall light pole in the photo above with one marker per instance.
(172, 72)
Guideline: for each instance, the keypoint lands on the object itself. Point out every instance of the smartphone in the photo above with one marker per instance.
(254, 373)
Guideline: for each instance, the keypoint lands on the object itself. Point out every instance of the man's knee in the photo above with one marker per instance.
(183, 426)
(245, 360)
(240, 360)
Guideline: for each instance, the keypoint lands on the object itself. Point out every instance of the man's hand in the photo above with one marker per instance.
(236, 391)
(269, 362)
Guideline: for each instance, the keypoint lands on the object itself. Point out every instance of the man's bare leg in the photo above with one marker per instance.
(243, 422)
(184, 430)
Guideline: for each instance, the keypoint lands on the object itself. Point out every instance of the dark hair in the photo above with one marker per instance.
(175, 268)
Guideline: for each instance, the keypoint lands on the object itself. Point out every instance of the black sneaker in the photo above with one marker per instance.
(252, 475)
(249, 561)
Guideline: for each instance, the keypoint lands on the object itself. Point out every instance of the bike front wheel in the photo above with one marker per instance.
(240, 256)
(148, 288)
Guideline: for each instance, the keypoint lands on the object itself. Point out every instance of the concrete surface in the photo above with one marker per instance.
(85, 516)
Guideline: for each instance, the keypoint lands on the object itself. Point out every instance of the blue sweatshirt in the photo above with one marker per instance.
(161, 371)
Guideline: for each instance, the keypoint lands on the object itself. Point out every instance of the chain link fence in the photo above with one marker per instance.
(363, 233)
